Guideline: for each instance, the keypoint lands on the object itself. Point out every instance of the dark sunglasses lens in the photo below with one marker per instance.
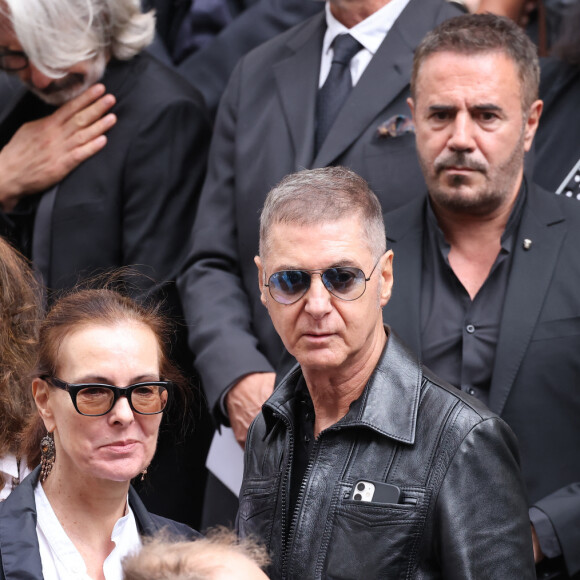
(149, 399)
(95, 400)
(288, 286)
(345, 283)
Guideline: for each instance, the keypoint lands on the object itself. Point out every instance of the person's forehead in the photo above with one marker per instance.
(454, 73)
(317, 245)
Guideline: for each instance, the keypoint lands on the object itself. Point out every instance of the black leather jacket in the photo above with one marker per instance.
(19, 552)
(462, 513)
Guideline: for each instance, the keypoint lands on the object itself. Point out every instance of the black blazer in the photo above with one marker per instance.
(536, 375)
(254, 21)
(265, 130)
(209, 68)
(134, 201)
(19, 551)
(169, 15)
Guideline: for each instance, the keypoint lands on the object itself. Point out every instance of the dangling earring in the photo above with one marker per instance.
(143, 474)
(47, 455)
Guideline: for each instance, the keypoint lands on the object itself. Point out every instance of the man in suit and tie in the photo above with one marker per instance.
(206, 38)
(487, 267)
(102, 156)
(274, 120)
(269, 125)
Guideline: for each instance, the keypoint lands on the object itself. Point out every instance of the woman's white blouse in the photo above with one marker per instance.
(13, 474)
(60, 558)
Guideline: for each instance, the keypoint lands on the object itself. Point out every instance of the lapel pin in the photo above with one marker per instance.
(527, 244)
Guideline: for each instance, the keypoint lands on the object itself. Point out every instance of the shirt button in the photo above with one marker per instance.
(470, 328)
(471, 391)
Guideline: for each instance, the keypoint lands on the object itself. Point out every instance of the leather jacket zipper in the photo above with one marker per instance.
(285, 479)
(292, 530)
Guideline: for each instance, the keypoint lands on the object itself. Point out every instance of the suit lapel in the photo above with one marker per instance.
(405, 238)
(42, 235)
(297, 82)
(531, 273)
(383, 80)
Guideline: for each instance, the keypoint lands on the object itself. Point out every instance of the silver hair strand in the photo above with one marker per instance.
(58, 34)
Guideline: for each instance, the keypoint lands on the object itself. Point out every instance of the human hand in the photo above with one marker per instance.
(538, 554)
(244, 401)
(41, 153)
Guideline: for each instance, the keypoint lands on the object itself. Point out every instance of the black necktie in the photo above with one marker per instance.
(338, 84)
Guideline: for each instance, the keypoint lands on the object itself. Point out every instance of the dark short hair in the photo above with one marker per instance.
(317, 196)
(479, 34)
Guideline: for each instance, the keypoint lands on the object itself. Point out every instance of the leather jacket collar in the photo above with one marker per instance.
(389, 402)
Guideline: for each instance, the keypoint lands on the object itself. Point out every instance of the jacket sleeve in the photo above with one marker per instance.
(209, 69)
(563, 509)
(215, 302)
(481, 518)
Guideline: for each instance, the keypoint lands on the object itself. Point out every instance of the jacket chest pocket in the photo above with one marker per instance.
(387, 535)
(257, 508)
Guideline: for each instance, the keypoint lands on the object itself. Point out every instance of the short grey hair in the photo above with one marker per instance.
(58, 34)
(480, 34)
(318, 196)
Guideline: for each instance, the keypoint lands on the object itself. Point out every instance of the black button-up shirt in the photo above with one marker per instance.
(459, 335)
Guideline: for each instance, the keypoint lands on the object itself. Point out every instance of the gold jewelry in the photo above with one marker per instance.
(47, 456)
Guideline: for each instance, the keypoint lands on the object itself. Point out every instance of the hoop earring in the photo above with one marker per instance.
(47, 456)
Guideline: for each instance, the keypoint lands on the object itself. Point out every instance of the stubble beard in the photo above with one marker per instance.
(457, 195)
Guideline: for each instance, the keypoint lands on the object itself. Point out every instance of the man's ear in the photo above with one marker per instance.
(411, 104)
(41, 395)
(261, 282)
(532, 120)
(387, 277)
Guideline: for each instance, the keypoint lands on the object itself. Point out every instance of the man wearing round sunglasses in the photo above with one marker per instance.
(362, 463)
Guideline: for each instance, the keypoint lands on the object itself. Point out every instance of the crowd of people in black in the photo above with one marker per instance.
(343, 232)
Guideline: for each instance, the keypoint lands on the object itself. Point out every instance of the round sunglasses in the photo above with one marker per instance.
(344, 282)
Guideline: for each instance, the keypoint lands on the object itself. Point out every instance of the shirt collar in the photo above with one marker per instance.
(9, 466)
(370, 32)
(388, 404)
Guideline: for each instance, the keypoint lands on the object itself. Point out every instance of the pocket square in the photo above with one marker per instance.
(395, 126)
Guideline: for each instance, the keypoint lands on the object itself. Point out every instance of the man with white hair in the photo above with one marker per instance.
(101, 158)
(99, 144)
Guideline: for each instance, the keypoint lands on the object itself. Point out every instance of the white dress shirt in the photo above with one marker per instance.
(12, 473)
(60, 558)
(370, 33)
